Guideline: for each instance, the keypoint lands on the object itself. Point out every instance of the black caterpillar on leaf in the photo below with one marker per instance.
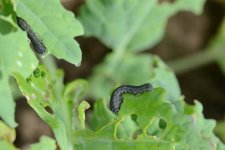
(37, 44)
(117, 95)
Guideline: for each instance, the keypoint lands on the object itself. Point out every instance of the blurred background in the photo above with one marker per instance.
(187, 36)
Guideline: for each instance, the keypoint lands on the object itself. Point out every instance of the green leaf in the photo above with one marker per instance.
(42, 92)
(81, 112)
(6, 133)
(161, 126)
(15, 55)
(134, 26)
(133, 70)
(102, 116)
(7, 146)
(54, 25)
(45, 143)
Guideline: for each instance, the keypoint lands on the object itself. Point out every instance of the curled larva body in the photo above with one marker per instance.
(37, 44)
(116, 97)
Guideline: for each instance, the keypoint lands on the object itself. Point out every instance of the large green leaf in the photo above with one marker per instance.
(42, 94)
(134, 70)
(54, 25)
(132, 25)
(161, 126)
(15, 56)
(46, 94)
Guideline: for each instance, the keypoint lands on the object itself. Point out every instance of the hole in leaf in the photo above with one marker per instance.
(128, 129)
(162, 124)
(49, 110)
(134, 117)
(157, 127)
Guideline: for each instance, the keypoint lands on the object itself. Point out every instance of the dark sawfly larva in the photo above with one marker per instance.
(117, 95)
(37, 44)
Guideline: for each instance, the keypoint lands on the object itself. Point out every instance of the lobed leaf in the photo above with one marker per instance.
(134, 26)
(54, 25)
(161, 126)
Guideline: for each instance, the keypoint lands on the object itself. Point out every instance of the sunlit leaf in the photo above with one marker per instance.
(55, 26)
(42, 94)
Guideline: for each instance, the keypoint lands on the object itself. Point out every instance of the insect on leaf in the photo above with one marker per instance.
(55, 28)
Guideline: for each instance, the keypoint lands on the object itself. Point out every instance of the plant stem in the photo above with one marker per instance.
(195, 61)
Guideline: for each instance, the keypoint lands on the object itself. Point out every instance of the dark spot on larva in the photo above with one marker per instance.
(36, 42)
(117, 95)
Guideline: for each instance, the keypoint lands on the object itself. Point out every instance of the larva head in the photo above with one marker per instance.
(147, 87)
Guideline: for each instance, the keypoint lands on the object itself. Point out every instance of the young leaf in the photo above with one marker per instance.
(45, 143)
(54, 25)
(81, 113)
(133, 26)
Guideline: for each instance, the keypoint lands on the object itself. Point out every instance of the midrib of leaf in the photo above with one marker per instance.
(123, 44)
